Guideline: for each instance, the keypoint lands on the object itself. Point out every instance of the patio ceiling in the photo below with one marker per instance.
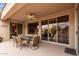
(40, 9)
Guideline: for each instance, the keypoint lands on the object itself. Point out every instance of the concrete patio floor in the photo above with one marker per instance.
(45, 49)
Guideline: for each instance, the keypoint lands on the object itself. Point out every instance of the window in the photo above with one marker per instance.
(15, 29)
(32, 27)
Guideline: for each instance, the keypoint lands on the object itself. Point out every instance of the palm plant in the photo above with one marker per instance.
(53, 30)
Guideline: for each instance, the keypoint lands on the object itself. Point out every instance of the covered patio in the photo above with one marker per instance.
(54, 23)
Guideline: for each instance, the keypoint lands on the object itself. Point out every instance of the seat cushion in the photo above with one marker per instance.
(27, 37)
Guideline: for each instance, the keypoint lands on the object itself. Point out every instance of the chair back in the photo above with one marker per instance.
(35, 40)
(15, 39)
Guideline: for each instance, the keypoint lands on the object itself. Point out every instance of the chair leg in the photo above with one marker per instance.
(21, 45)
(34, 47)
(13, 44)
(17, 46)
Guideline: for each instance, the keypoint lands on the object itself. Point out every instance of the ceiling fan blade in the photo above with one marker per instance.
(30, 16)
(34, 18)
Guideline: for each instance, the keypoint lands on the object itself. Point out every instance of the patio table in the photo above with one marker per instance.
(27, 38)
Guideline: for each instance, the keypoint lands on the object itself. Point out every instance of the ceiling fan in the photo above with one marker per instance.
(31, 16)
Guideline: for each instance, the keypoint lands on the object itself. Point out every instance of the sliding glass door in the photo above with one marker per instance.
(53, 30)
(63, 30)
(44, 30)
(56, 30)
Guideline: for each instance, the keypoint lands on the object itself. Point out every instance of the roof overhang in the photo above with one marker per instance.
(10, 9)
(19, 10)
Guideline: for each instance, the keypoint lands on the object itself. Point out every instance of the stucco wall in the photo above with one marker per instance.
(69, 12)
(4, 30)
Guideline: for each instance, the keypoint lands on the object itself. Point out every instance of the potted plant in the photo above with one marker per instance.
(1, 39)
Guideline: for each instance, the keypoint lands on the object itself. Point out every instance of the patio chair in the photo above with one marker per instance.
(14, 40)
(22, 42)
(26, 43)
(35, 43)
(17, 41)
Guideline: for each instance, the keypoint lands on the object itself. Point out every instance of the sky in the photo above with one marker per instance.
(1, 6)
